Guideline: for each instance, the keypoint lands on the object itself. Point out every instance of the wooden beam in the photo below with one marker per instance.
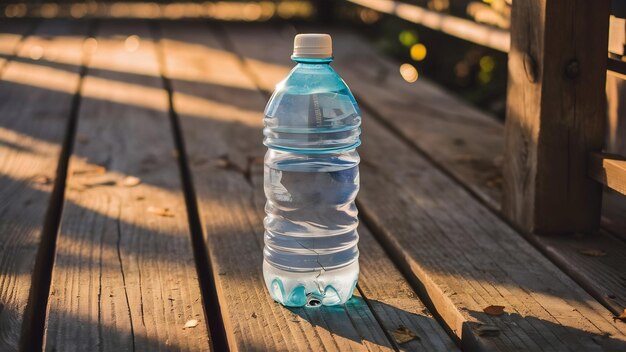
(555, 114)
(608, 169)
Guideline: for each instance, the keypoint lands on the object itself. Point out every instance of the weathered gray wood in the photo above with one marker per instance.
(464, 257)
(124, 276)
(223, 132)
(555, 114)
(35, 104)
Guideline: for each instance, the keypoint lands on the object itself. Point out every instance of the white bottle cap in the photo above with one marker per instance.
(312, 45)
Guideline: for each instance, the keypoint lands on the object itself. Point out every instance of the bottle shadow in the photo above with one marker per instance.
(373, 322)
(420, 330)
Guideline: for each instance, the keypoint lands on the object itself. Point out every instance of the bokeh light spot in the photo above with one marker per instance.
(418, 52)
(131, 43)
(408, 72)
(408, 38)
(36, 52)
(487, 63)
(484, 77)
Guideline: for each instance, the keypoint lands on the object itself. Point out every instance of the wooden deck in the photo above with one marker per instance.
(131, 205)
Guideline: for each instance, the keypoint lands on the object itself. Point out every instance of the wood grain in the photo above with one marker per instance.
(557, 117)
(35, 104)
(226, 154)
(462, 256)
(124, 276)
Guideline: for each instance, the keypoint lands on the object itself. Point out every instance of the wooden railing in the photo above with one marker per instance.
(556, 107)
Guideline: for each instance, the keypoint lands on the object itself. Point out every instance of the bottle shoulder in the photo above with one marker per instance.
(312, 109)
(312, 79)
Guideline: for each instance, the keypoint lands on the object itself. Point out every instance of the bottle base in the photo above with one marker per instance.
(311, 289)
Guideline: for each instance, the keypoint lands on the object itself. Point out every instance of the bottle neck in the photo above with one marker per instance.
(311, 60)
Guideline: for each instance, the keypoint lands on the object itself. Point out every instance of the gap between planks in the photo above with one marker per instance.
(201, 256)
(35, 312)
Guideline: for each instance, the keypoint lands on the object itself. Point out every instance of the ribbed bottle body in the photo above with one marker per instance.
(311, 179)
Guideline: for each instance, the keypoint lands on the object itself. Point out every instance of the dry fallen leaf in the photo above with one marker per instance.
(97, 170)
(488, 331)
(130, 181)
(402, 334)
(99, 181)
(192, 323)
(592, 252)
(42, 179)
(166, 212)
(222, 162)
(494, 310)
(621, 317)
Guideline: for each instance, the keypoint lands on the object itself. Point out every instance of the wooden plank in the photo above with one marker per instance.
(555, 114)
(608, 169)
(440, 236)
(124, 276)
(222, 132)
(35, 105)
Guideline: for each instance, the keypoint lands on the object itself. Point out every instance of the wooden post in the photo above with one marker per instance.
(555, 114)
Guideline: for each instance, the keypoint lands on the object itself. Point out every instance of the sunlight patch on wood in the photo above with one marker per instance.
(131, 94)
(220, 63)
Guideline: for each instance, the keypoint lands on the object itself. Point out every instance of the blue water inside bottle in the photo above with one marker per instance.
(311, 178)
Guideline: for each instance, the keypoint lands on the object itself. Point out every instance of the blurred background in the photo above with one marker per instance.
(475, 72)
(424, 35)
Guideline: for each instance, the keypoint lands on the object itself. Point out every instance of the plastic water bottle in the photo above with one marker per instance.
(311, 178)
